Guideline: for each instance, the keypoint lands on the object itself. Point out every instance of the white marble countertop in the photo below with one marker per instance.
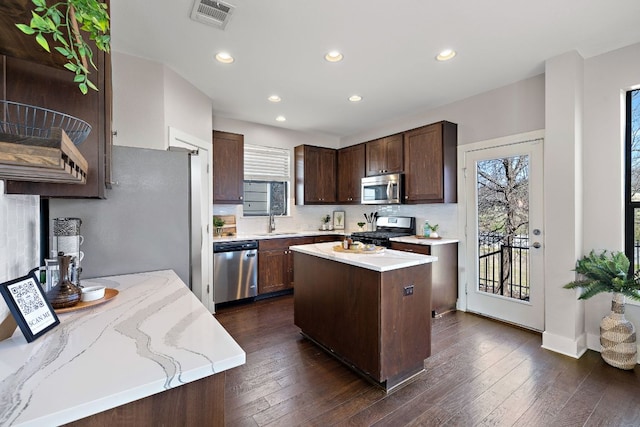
(278, 235)
(385, 260)
(427, 242)
(154, 335)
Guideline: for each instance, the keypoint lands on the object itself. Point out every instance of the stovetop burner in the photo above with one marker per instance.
(379, 234)
(387, 227)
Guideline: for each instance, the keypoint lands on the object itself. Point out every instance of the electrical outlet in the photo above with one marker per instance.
(407, 290)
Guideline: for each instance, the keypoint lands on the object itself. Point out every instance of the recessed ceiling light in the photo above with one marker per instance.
(355, 98)
(333, 56)
(446, 55)
(274, 98)
(224, 57)
(281, 118)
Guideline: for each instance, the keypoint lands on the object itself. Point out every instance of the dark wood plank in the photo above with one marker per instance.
(480, 372)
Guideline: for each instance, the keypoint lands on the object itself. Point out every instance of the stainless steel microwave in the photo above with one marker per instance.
(382, 189)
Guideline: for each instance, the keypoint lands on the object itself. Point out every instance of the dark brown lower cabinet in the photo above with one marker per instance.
(444, 278)
(366, 318)
(198, 403)
(275, 263)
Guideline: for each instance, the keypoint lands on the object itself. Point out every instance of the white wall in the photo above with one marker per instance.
(148, 98)
(185, 107)
(19, 238)
(138, 106)
(606, 79)
(508, 110)
(564, 318)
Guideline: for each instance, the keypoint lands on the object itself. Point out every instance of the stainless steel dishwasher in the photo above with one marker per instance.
(235, 270)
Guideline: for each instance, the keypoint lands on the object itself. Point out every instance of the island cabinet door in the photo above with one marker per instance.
(336, 305)
(405, 321)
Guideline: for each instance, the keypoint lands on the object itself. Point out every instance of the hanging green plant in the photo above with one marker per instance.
(65, 21)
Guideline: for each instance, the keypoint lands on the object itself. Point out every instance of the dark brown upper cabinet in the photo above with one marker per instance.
(228, 167)
(430, 163)
(315, 175)
(351, 164)
(384, 155)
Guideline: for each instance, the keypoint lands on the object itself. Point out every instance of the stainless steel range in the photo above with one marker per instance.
(386, 228)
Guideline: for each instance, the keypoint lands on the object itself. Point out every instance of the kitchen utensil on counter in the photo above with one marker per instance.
(52, 274)
(65, 294)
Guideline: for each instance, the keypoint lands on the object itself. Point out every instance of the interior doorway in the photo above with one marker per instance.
(201, 257)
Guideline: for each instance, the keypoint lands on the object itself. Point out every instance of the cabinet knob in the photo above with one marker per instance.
(240, 198)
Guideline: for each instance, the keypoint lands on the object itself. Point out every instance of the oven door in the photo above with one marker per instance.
(381, 190)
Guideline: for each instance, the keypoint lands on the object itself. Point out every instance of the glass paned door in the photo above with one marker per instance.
(502, 206)
(504, 231)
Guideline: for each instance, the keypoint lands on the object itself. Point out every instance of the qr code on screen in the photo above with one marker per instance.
(26, 298)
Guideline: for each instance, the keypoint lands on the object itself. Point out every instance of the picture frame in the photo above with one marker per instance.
(29, 306)
(338, 220)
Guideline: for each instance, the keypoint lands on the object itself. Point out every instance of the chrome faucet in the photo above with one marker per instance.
(272, 223)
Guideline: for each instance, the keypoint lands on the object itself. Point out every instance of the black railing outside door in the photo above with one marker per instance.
(503, 269)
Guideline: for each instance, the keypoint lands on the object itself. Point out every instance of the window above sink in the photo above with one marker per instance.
(266, 181)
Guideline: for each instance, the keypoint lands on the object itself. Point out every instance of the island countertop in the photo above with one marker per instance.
(386, 260)
(153, 336)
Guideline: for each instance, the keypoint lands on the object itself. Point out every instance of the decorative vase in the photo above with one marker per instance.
(65, 294)
(324, 226)
(219, 231)
(618, 337)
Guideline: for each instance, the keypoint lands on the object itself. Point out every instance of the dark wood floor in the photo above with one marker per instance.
(481, 372)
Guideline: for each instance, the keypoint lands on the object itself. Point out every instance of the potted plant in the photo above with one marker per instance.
(434, 231)
(361, 226)
(66, 21)
(609, 272)
(218, 223)
(325, 220)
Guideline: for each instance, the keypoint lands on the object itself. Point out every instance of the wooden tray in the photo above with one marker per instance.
(108, 295)
(428, 238)
(339, 248)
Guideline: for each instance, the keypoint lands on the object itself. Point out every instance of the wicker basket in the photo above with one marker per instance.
(27, 120)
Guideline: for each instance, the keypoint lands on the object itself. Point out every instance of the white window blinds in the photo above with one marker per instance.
(266, 163)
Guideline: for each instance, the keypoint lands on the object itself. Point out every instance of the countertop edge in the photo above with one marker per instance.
(425, 242)
(386, 261)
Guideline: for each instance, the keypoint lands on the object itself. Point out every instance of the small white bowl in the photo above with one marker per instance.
(92, 293)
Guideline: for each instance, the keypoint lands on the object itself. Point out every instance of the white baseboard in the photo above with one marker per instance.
(569, 347)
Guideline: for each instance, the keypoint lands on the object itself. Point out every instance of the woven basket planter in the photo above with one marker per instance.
(618, 337)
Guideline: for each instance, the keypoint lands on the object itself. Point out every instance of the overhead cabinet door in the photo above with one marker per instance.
(228, 167)
(384, 155)
(430, 164)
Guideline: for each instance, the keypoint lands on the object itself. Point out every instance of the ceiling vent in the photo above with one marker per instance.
(213, 13)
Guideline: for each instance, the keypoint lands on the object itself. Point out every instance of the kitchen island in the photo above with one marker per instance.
(152, 355)
(370, 310)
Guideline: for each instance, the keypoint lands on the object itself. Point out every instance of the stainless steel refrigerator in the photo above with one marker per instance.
(145, 223)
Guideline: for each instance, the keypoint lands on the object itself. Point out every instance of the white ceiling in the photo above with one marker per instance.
(389, 49)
